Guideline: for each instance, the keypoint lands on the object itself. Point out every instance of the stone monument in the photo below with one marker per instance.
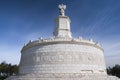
(62, 57)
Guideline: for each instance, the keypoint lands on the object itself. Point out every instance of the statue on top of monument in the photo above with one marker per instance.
(62, 9)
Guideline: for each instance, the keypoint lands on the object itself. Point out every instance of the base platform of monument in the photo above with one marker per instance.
(63, 77)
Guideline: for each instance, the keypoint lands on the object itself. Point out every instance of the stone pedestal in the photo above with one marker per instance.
(62, 27)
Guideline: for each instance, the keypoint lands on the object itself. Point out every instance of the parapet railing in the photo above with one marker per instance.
(55, 39)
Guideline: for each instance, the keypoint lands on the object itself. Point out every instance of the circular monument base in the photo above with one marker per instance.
(62, 77)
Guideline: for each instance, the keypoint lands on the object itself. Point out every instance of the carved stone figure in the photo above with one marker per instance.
(62, 9)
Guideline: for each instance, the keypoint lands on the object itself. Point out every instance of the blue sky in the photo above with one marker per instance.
(24, 20)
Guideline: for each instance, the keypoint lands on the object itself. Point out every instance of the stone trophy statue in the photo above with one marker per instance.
(62, 9)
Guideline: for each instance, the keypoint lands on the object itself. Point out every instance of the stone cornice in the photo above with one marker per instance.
(63, 17)
(61, 41)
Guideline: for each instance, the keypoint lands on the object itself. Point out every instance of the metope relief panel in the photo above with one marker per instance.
(54, 58)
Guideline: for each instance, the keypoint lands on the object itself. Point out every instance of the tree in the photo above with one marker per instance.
(115, 70)
(7, 70)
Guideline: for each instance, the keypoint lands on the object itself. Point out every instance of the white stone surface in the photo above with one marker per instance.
(62, 77)
(62, 28)
(62, 58)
